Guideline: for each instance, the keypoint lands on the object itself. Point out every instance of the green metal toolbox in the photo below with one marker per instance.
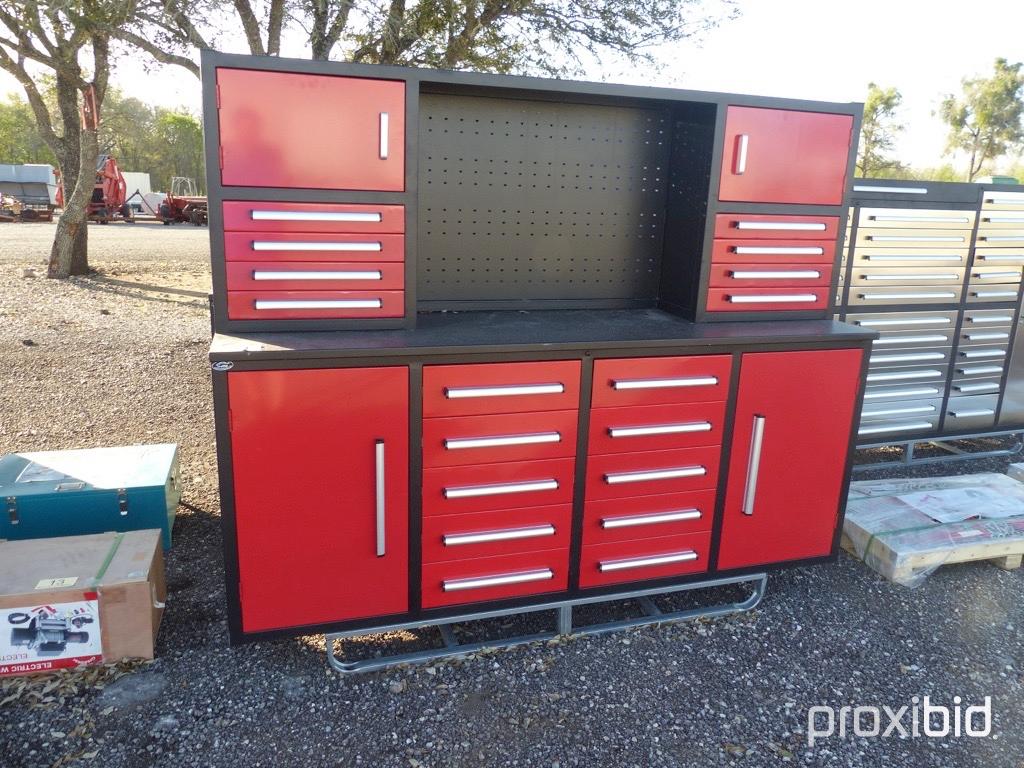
(64, 493)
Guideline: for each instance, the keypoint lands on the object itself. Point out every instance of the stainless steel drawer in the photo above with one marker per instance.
(998, 257)
(971, 336)
(915, 218)
(998, 200)
(889, 392)
(986, 318)
(888, 358)
(982, 353)
(863, 295)
(980, 294)
(904, 409)
(932, 375)
(909, 276)
(979, 370)
(971, 387)
(1000, 237)
(913, 238)
(909, 257)
(870, 431)
(970, 412)
(884, 322)
(892, 340)
(1011, 412)
(981, 276)
(999, 220)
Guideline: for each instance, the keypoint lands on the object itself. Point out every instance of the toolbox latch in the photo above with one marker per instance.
(122, 501)
(12, 509)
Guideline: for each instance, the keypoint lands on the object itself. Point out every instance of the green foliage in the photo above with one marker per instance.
(20, 142)
(985, 121)
(878, 132)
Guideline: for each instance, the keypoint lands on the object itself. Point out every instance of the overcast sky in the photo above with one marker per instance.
(820, 49)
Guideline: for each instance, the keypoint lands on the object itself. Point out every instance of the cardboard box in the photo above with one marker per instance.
(78, 600)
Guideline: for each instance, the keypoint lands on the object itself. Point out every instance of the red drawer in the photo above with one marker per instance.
(459, 440)
(314, 276)
(643, 559)
(619, 475)
(642, 517)
(296, 305)
(268, 216)
(466, 390)
(310, 246)
(766, 299)
(495, 578)
(653, 380)
(486, 534)
(511, 484)
(734, 251)
(770, 275)
(655, 427)
(772, 227)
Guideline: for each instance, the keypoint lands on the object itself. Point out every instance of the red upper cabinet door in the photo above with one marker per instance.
(320, 462)
(283, 129)
(781, 156)
(794, 416)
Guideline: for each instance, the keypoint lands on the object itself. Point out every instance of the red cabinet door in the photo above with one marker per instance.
(283, 129)
(784, 489)
(782, 156)
(317, 542)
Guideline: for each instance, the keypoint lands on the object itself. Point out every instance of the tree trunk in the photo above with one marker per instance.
(69, 254)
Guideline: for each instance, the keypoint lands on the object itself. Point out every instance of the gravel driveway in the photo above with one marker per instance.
(120, 358)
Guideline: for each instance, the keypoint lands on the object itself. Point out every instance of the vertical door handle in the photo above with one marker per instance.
(753, 465)
(384, 120)
(742, 144)
(380, 497)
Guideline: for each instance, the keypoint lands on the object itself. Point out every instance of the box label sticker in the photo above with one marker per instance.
(38, 638)
(67, 581)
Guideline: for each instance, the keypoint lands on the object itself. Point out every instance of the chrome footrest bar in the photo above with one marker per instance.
(952, 452)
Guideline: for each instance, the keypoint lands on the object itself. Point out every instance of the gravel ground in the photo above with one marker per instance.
(120, 357)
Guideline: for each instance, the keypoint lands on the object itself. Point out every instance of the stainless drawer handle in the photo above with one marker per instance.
(606, 566)
(319, 304)
(742, 148)
(915, 238)
(891, 190)
(471, 491)
(895, 428)
(944, 219)
(661, 429)
(288, 245)
(906, 411)
(692, 381)
(350, 216)
(912, 257)
(904, 321)
(651, 519)
(260, 274)
(926, 276)
(914, 295)
(777, 250)
(510, 534)
(384, 121)
(790, 226)
(796, 274)
(522, 577)
(996, 275)
(459, 443)
(511, 390)
(936, 339)
(989, 318)
(983, 387)
(617, 478)
(1004, 218)
(379, 490)
(1000, 256)
(980, 370)
(976, 354)
(1001, 238)
(930, 373)
(908, 358)
(784, 298)
(991, 336)
(994, 294)
(972, 412)
(910, 392)
(753, 465)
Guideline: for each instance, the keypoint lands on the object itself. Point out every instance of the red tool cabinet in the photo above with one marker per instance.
(469, 349)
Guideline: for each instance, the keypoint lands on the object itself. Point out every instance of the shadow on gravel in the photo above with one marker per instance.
(148, 287)
(144, 291)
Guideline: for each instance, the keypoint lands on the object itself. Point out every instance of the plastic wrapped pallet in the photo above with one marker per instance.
(906, 528)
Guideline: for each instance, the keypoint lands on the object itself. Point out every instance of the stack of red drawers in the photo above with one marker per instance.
(767, 262)
(314, 260)
(652, 467)
(499, 447)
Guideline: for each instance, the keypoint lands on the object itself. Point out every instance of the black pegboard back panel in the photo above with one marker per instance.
(535, 200)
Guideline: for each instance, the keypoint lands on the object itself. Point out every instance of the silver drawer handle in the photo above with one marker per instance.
(471, 491)
(914, 238)
(777, 250)
(661, 429)
(912, 257)
(790, 226)
(384, 121)
(891, 190)
(742, 147)
(910, 392)
(1005, 198)
(796, 274)
(988, 385)
(989, 318)
(618, 478)
(1000, 256)
(994, 294)
(915, 295)
(900, 411)
(972, 412)
(895, 428)
(651, 519)
(908, 358)
(925, 276)
(319, 304)
(980, 370)
(606, 566)
(779, 299)
(459, 443)
(1004, 218)
(993, 336)
(982, 353)
(1002, 238)
(995, 275)
(753, 465)
(906, 321)
(692, 381)
(380, 495)
(910, 340)
(511, 534)
(930, 373)
(949, 219)
(287, 245)
(511, 390)
(522, 577)
(350, 216)
(317, 275)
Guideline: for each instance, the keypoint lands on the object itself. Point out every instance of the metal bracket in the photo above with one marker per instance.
(12, 509)
(122, 501)
(563, 624)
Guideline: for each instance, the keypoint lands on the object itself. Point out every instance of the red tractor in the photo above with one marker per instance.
(183, 204)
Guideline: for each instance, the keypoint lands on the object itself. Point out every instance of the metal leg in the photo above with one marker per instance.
(565, 620)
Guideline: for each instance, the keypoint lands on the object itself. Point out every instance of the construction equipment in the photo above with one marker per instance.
(109, 194)
(183, 203)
